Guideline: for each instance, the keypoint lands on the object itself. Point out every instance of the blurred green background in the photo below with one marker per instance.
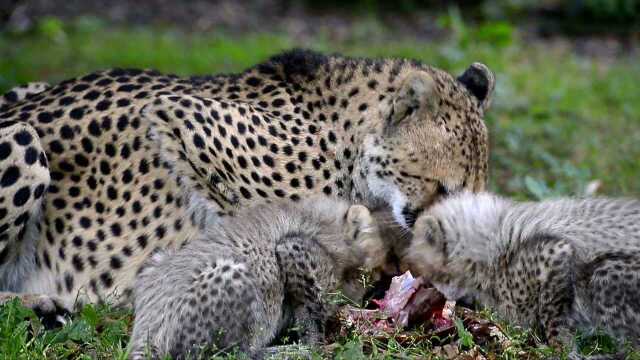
(565, 119)
(566, 115)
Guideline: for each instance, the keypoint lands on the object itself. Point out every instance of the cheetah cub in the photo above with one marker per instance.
(251, 276)
(557, 264)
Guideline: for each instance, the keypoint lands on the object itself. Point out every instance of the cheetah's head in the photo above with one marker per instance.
(432, 140)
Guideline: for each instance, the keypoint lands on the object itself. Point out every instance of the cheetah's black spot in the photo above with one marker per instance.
(21, 196)
(10, 176)
(23, 138)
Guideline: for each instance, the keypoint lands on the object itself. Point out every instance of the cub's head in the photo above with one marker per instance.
(427, 254)
(365, 253)
(456, 241)
(432, 140)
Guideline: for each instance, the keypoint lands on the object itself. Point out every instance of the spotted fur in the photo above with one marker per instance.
(20, 93)
(250, 277)
(557, 265)
(139, 160)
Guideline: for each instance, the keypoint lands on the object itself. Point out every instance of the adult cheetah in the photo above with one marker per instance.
(100, 170)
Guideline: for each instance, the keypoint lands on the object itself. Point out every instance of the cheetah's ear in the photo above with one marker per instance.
(480, 82)
(417, 94)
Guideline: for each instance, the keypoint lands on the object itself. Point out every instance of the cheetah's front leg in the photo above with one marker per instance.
(24, 179)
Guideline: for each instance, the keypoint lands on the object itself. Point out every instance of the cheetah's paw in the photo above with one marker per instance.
(52, 310)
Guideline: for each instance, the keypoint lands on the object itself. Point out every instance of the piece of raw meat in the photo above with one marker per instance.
(406, 303)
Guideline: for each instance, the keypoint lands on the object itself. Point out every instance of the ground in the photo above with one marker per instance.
(559, 121)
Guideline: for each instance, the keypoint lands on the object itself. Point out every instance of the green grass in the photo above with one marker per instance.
(101, 332)
(558, 122)
(96, 332)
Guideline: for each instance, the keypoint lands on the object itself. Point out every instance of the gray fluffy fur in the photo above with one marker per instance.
(248, 277)
(558, 264)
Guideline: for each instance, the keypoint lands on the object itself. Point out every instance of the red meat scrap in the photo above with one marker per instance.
(408, 302)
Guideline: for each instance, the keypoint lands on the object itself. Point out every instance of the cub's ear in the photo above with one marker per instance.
(428, 250)
(427, 229)
(480, 82)
(367, 240)
(418, 94)
(359, 217)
